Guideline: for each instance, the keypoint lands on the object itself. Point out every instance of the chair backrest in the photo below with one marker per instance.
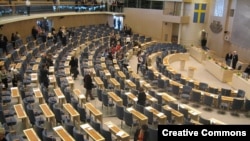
(124, 99)
(150, 116)
(78, 136)
(241, 93)
(39, 129)
(208, 100)
(46, 137)
(119, 111)
(247, 105)
(176, 89)
(168, 113)
(225, 92)
(186, 89)
(99, 94)
(184, 111)
(237, 104)
(157, 106)
(105, 99)
(106, 134)
(82, 113)
(203, 86)
(95, 125)
(128, 118)
(153, 134)
(174, 105)
(196, 96)
(139, 107)
(69, 127)
(204, 121)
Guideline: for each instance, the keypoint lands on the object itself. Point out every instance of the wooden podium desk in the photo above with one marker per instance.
(63, 134)
(120, 134)
(192, 111)
(121, 75)
(74, 115)
(130, 84)
(15, 94)
(151, 99)
(162, 118)
(115, 98)
(60, 96)
(135, 76)
(103, 66)
(91, 132)
(49, 115)
(21, 114)
(52, 80)
(38, 95)
(35, 68)
(31, 135)
(93, 111)
(99, 82)
(51, 70)
(139, 116)
(116, 66)
(67, 71)
(198, 53)
(131, 97)
(102, 59)
(70, 81)
(178, 115)
(107, 73)
(166, 97)
(38, 60)
(80, 96)
(115, 83)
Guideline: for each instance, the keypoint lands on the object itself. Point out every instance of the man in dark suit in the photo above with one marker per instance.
(234, 59)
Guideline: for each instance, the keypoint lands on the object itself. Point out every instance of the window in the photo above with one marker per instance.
(219, 8)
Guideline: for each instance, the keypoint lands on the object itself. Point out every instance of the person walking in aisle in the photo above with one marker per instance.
(141, 97)
(74, 67)
(88, 85)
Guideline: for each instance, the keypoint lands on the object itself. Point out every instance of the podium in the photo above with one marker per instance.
(182, 64)
(191, 71)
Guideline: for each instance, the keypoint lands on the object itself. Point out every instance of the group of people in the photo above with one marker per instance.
(231, 59)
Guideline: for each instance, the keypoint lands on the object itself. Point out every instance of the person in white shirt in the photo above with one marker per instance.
(140, 60)
(28, 6)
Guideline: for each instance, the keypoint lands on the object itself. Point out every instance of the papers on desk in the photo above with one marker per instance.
(148, 108)
(81, 96)
(85, 126)
(135, 99)
(61, 96)
(160, 114)
(120, 133)
(58, 127)
(129, 109)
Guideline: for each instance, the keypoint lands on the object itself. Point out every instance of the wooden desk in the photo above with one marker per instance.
(114, 61)
(63, 134)
(130, 70)
(192, 111)
(80, 96)
(175, 57)
(182, 64)
(38, 95)
(107, 73)
(103, 65)
(198, 53)
(70, 81)
(191, 71)
(66, 64)
(178, 116)
(151, 99)
(60, 96)
(102, 59)
(145, 85)
(135, 76)
(67, 71)
(121, 75)
(166, 97)
(130, 84)
(31, 135)
(115, 98)
(131, 97)
(38, 60)
(34, 78)
(49, 115)
(120, 134)
(115, 83)
(224, 75)
(139, 116)
(15, 94)
(117, 68)
(21, 114)
(161, 117)
(18, 66)
(99, 82)
(93, 111)
(90, 64)
(51, 70)
(91, 132)
(35, 68)
(52, 80)
(74, 115)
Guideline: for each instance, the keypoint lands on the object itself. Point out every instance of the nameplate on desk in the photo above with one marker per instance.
(135, 99)
(120, 133)
(129, 109)
(160, 114)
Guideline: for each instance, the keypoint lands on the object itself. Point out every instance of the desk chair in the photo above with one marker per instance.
(196, 98)
(128, 120)
(208, 101)
(204, 121)
(153, 134)
(241, 93)
(237, 106)
(222, 105)
(106, 134)
(186, 93)
(78, 136)
(107, 102)
(225, 92)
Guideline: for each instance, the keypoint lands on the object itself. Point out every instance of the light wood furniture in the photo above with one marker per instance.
(216, 121)
(115, 83)
(240, 83)
(182, 64)
(93, 111)
(21, 114)
(74, 115)
(130, 84)
(166, 97)
(63, 134)
(15, 94)
(115, 98)
(179, 117)
(35, 68)
(99, 82)
(49, 115)
(31, 135)
(161, 117)
(198, 53)
(91, 132)
(51, 70)
(107, 73)
(52, 80)
(34, 78)
(80, 96)
(121, 75)
(120, 134)
(38, 95)
(139, 116)
(67, 71)
(191, 71)
(60, 96)
(194, 114)
(70, 81)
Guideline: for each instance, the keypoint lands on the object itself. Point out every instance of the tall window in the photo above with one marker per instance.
(219, 8)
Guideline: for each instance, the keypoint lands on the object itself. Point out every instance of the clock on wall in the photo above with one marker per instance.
(216, 26)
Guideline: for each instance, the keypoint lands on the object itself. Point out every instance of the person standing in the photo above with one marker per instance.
(142, 134)
(28, 6)
(228, 58)
(74, 66)
(88, 85)
(141, 97)
(4, 77)
(140, 60)
(44, 73)
(234, 59)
